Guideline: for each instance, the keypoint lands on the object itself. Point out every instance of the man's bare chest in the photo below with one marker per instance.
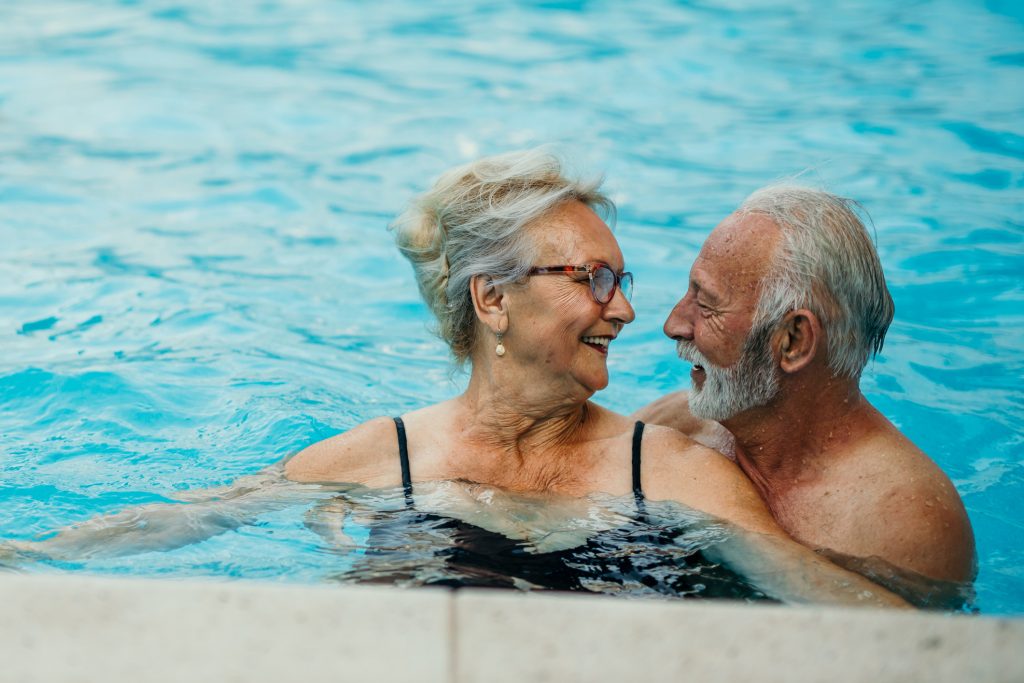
(819, 516)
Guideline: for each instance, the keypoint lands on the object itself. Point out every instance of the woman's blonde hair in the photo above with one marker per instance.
(471, 222)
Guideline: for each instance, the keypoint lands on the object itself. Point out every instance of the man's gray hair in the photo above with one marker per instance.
(827, 263)
(472, 222)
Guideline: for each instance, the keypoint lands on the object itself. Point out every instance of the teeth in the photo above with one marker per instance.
(601, 341)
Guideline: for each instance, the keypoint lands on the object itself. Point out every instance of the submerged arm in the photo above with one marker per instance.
(202, 514)
(788, 571)
(165, 526)
(755, 546)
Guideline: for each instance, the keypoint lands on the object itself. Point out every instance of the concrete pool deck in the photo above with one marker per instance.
(58, 629)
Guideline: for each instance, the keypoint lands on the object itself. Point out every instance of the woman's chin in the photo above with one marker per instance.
(595, 384)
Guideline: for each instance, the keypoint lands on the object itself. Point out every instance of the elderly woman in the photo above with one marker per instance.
(529, 288)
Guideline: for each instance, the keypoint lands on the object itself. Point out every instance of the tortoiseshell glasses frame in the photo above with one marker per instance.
(603, 280)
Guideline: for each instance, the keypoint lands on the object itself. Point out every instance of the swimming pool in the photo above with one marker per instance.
(198, 280)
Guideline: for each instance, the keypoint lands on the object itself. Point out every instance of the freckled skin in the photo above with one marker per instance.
(836, 474)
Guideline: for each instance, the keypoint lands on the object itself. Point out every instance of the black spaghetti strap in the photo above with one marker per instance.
(403, 459)
(638, 489)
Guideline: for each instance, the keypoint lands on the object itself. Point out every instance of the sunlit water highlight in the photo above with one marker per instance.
(197, 279)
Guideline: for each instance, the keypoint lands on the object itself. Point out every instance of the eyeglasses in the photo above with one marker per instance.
(603, 280)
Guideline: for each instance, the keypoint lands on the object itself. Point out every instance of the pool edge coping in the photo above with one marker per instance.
(72, 627)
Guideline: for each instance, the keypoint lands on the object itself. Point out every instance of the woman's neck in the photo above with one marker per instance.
(518, 420)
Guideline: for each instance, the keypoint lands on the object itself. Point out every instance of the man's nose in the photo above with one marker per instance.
(679, 324)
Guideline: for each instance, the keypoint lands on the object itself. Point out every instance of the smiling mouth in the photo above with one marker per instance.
(599, 344)
(697, 374)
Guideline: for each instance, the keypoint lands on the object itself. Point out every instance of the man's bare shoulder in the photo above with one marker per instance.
(937, 539)
(673, 410)
(915, 518)
(366, 454)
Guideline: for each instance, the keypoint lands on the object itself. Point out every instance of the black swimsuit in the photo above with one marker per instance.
(620, 560)
(403, 458)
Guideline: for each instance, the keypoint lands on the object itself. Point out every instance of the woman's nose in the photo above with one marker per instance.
(619, 308)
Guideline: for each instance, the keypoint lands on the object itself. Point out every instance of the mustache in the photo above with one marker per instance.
(687, 351)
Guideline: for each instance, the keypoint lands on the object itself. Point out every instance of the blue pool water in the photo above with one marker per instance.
(197, 280)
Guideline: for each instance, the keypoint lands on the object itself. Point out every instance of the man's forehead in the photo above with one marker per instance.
(743, 235)
(739, 249)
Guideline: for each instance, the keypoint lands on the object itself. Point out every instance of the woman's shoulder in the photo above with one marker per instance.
(366, 454)
(678, 468)
(676, 455)
(671, 410)
(668, 442)
(658, 442)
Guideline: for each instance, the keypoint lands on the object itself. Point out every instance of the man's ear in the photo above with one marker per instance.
(490, 301)
(798, 339)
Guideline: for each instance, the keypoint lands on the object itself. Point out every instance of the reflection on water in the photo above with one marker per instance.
(463, 535)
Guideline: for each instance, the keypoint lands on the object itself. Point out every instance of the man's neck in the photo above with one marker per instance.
(793, 440)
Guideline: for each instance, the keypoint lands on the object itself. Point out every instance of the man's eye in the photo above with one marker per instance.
(705, 310)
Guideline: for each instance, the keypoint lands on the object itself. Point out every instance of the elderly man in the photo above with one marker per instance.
(786, 302)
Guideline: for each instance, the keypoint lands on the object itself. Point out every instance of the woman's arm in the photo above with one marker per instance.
(353, 456)
(202, 514)
(788, 571)
(755, 546)
(367, 454)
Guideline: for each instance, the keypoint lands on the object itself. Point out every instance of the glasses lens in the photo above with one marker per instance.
(604, 284)
(626, 285)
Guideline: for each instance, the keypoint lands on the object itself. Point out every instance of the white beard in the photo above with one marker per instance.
(750, 382)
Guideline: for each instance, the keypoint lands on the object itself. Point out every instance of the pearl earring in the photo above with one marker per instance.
(500, 348)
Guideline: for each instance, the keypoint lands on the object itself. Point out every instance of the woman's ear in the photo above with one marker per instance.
(798, 340)
(490, 301)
